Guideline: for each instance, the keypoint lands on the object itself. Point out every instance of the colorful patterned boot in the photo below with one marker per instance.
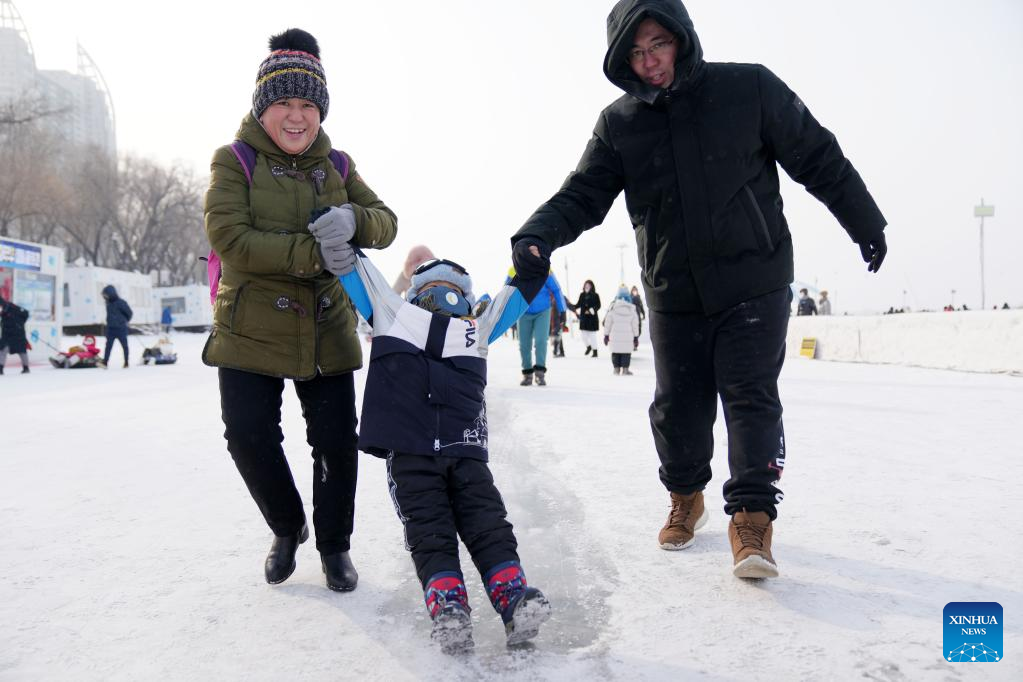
(448, 604)
(523, 609)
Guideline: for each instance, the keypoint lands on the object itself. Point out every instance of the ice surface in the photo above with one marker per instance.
(130, 549)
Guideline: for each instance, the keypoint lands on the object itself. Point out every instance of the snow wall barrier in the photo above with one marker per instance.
(973, 341)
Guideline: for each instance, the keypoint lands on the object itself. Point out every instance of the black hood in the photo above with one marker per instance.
(621, 28)
(109, 292)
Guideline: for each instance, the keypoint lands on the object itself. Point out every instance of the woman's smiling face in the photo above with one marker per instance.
(292, 124)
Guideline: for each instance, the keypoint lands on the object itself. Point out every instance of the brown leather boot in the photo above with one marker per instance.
(750, 535)
(686, 516)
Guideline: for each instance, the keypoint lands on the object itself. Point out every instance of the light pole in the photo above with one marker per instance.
(621, 263)
(982, 212)
(566, 292)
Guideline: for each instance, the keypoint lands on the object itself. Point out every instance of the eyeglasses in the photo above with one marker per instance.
(637, 54)
(434, 262)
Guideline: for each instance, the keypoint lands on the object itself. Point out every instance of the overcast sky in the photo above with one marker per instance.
(465, 115)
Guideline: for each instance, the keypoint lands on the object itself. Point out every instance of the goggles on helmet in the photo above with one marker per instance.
(434, 262)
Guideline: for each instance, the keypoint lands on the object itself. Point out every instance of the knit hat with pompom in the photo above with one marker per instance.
(292, 69)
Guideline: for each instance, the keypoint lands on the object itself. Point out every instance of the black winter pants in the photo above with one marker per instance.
(116, 335)
(251, 408)
(737, 354)
(622, 360)
(440, 499)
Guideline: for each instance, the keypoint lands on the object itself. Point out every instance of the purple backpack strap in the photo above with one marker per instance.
(340, 162)
(246, 156)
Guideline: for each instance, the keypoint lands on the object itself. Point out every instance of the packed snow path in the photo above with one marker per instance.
(131, 549)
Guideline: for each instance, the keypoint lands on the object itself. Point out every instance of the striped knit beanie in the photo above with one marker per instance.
(292, 69)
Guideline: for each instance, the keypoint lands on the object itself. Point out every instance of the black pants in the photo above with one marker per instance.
(437, 497)
(622, 360)
(251, 408)
(737, 354)
(116, 335)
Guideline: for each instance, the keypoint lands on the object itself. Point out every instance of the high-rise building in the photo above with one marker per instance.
(84, 110)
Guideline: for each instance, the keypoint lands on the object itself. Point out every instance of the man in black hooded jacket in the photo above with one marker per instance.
(118, 316)
(695, 145)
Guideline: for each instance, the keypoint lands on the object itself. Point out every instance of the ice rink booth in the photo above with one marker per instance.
(85, 311)
(31, 275)
(189, 304)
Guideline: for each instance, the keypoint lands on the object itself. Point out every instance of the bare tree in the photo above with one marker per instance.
(28, 109)
(27, 164)
(159, 219)
(140, 216)
(86, 206)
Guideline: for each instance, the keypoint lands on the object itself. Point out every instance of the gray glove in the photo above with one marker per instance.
(338, 258)
(333, 230)
(337, 223)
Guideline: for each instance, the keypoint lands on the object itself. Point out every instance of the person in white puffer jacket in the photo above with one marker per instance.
(621, 331)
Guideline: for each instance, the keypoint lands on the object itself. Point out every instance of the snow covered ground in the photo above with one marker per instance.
(130, 549)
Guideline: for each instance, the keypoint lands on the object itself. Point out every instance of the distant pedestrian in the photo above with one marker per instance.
(621, 331)
(166, 319)
(12, 333)
(534, 328)
(824, 307)
(586, 309)
(557, 327)
(806, 305)
(640, 310)
(118, 316)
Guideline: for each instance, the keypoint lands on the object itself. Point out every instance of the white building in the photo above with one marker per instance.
(189, 305)
(84, 307)
(30, 276)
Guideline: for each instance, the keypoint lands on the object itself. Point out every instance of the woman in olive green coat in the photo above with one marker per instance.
(280, 312)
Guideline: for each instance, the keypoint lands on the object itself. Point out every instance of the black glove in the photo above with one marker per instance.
(874, 251)
(607, 339)
(635, 343)
(528, 265)
(562, 318)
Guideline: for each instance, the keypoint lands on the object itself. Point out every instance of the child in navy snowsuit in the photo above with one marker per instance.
(424, 411)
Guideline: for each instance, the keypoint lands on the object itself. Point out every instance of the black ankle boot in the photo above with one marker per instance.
(280, 562)
(24, 370)
(341, 574)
